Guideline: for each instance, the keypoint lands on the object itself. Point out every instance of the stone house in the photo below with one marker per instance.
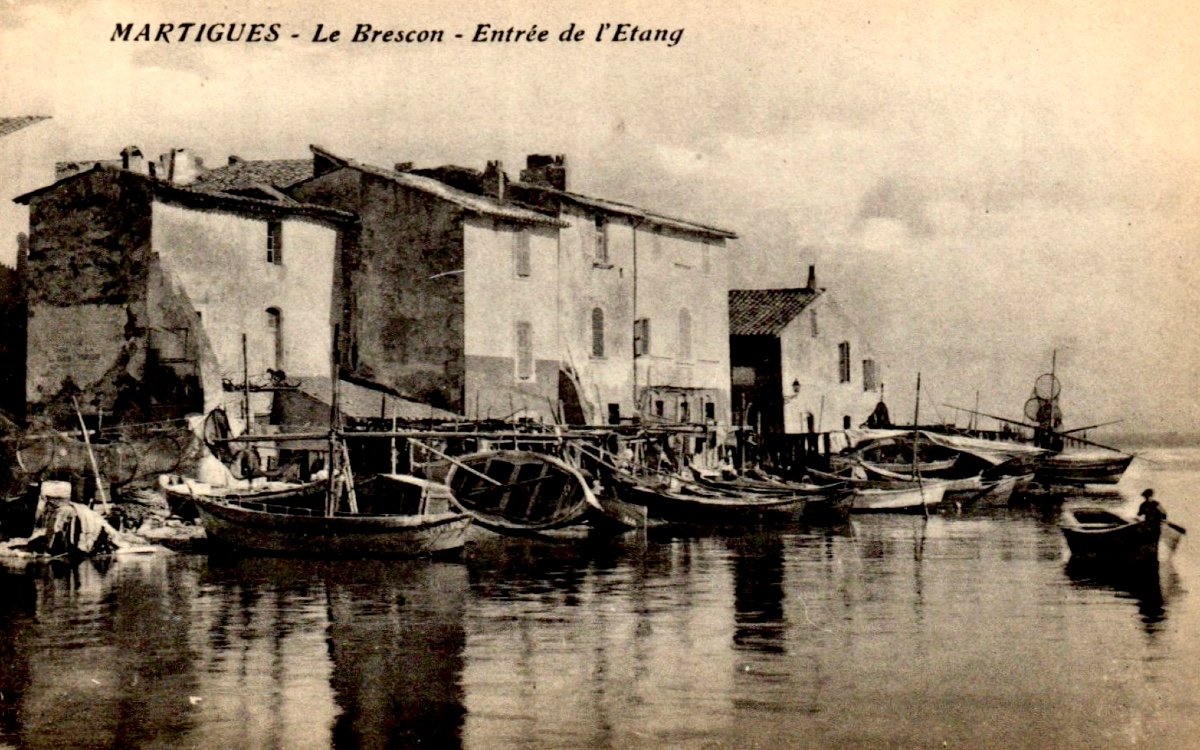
(141, 293)
(451, 295)
(643, 302)
(799, 363)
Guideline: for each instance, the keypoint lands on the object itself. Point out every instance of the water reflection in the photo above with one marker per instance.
(1149, 584)
(757, 564)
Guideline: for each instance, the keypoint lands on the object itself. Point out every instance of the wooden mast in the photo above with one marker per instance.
(331, 487)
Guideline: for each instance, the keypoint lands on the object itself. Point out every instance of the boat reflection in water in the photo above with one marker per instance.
(1150, 584)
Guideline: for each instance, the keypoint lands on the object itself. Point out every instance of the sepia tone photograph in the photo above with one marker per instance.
(599, 374)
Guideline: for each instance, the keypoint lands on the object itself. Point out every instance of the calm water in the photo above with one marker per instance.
(964, 631)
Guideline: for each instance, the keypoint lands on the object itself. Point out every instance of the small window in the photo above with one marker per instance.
(870, 381)
(846, 422)
(658, 408)
(275, 331)
(844, 362)
(641, 336)
(521, 263)
(685, 335)
(812, 319)
(275, 242)
(524, 350)
(614, 414)
(710, 410)
(597, 332)
(685, 410)
(600, 256)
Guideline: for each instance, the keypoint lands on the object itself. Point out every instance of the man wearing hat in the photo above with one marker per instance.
(1150, 509)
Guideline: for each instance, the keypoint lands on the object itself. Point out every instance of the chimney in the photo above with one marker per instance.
(494, 180)
(131, 159)
(181, 166)
(546, 171)
(812, 277)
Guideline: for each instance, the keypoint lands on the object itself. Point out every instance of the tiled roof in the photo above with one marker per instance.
(359, 401)
(624, 209)
(188, 196)
(766, 312)
(245, 174)
(9, 125)
(477, 204)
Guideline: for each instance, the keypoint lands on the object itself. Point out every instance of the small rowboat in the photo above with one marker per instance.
(1100, 535)
(900, 499)
(520, 491)
(181, 496)
(698, 506)
(257, 527)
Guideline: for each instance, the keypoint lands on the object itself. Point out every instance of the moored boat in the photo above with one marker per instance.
(253, 526)
(520, 491)
(898, 499)
(181, 496)
(697, 506)
(1101, 535)
(1082, 467)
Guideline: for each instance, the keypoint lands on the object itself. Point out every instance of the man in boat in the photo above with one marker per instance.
(1151, 509)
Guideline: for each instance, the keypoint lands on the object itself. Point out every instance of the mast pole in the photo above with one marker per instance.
(331, 495)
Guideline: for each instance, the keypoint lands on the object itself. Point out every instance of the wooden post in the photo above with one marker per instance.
(245, 384)
(332, 489)
(87, 442)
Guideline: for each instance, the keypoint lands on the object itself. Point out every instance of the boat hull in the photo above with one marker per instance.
(907, 499)
(680, 507)
(181, 497)
(1109, 538)
(294, 533)
(523, 491)
(1079, 469)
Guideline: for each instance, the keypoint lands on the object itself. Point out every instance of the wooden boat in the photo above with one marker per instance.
(1082, 467)
(910, 498)
(1098, 534)
(181, 495)
(513, 490)
(696, 506)
(253, 526)
(749, 485)
(999, 492)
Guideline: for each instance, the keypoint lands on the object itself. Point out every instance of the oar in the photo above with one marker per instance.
(1089, 427)
(456, 462)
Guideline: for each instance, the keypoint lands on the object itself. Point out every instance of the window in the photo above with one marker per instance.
(524, 350)
(844, 362)
(614, 414)
(685, 335)
(658, 408)
(521, 264)
(685, 410)
(710, 410)
(597, 332)
(275, 242)
(641, 336)
(275, 331)
(870, 381)
(812, 318)
(600, 256)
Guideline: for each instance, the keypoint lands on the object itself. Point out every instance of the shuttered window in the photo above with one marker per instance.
(521, 262)
(641, 336)
(844, 362)
(275, 242)
(600, 256)
(685, 335)
(597, 332)
(524, 350)
(870, 377)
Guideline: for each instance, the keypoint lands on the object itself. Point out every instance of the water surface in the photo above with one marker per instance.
(961, 631)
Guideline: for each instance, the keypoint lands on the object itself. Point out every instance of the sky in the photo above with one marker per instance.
(981, 185)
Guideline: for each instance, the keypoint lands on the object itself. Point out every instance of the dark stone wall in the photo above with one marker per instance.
(89, 252)
(405, 328)
(90, 241)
